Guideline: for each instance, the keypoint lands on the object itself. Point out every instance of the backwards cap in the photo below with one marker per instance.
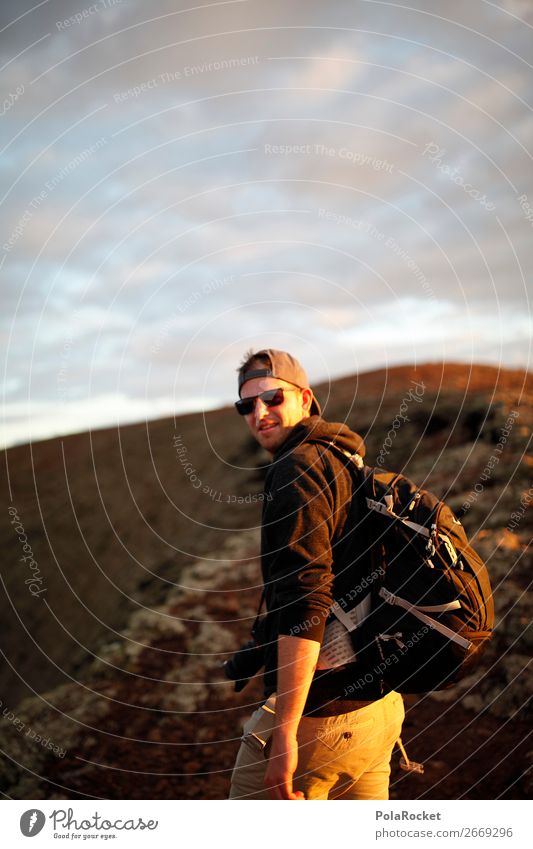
(283, 366)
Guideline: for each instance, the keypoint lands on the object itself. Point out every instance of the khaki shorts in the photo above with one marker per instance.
(339, 757)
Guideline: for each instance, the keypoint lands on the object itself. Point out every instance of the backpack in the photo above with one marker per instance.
(430, 613)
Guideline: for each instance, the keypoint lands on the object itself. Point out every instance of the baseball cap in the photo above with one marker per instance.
(283, 366)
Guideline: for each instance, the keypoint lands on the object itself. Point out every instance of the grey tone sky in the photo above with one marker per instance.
(348, 180)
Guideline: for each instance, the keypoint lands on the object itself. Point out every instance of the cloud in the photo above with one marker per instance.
(32, 421)
(155, 152)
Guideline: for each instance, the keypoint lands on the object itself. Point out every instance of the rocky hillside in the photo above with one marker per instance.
(130, 572)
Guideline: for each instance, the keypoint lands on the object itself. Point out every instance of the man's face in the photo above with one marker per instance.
(271, 425)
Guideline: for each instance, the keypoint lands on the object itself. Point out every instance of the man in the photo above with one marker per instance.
(318, 736)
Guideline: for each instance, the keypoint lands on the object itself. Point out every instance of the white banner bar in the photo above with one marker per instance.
(156, 823)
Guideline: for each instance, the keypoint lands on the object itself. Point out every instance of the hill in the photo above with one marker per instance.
(130, 572)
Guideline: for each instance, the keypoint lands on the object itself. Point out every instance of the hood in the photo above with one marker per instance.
(315, 427)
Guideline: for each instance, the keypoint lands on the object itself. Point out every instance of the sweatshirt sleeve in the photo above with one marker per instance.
(296, 545)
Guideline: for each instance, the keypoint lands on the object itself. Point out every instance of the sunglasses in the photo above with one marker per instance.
(270, 398)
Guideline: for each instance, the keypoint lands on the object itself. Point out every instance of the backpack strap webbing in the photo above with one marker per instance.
(390, 598)
(379, 507)
(355, 458)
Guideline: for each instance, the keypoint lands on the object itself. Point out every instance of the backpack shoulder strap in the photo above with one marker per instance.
(364, 475)
(356, 461)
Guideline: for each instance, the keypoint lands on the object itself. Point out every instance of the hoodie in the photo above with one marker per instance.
(309, 538)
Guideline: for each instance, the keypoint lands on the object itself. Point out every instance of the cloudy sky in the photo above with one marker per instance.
(351, 180)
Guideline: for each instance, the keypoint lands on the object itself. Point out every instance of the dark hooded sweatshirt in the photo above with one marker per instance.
(312, 551)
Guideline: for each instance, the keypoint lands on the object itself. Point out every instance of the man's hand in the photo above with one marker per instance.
(297, 659)
(282, 763)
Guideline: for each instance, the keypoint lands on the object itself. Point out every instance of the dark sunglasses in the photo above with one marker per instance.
(270, 398)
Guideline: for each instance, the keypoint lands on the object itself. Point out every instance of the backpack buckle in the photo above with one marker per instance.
(387, 596)
(405, 763)
(411, 766)
(431, 547)
(449, 548)
(397, 637)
